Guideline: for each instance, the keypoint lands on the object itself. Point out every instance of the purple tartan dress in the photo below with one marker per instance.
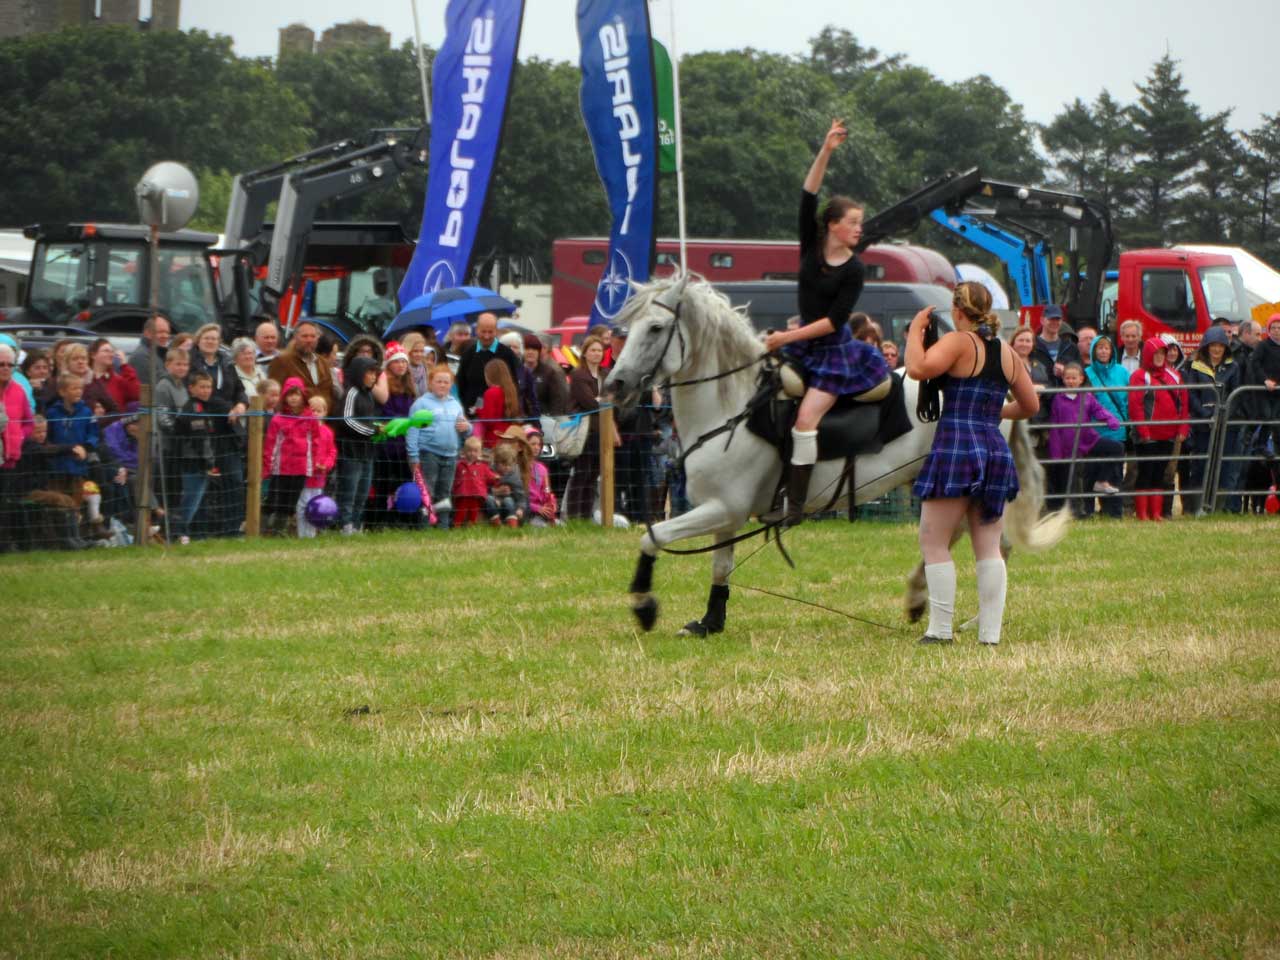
(969, 456)
(835, 363)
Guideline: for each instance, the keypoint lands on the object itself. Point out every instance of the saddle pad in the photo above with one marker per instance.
(850, 429)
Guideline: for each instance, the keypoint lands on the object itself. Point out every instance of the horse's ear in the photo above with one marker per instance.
(670, 298)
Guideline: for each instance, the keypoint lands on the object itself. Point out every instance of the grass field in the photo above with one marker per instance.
(417, 746)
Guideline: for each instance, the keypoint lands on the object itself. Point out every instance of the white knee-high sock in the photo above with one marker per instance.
(804, 446)
(941, 578)
(991, 592)
(94, 502)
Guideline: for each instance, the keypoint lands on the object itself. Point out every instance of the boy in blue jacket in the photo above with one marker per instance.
(71, 426)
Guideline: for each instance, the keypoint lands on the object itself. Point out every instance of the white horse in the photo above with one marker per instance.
(686, 333)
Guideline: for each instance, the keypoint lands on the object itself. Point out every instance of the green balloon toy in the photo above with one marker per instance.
(402, 425)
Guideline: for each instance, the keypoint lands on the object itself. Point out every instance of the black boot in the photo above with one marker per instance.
(797, 493)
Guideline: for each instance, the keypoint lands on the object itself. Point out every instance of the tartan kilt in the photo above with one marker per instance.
(838, 364)
(969, 460)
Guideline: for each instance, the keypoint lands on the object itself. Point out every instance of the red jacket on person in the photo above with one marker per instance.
(473, 479)
(121, 385)
(491, 420)
(1148, 406)
(292, 447)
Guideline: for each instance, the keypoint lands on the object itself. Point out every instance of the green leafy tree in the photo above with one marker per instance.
(840, 55)
(752, 123)
(349, 91)
(97, 107)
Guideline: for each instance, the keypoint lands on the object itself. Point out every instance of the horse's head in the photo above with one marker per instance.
(655, 347)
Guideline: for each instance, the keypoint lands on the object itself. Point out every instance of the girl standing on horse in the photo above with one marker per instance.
(835, 364)
(969, 472)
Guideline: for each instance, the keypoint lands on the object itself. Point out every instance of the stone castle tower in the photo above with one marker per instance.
(19, 18)
(299, 38)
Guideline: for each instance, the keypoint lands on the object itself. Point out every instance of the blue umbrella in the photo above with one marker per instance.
(440, 307)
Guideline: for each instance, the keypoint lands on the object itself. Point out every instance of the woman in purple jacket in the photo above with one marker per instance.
(1072, 437)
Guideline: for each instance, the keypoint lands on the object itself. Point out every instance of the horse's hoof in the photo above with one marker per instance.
(915, 612)
(646, 613)
(700, 628)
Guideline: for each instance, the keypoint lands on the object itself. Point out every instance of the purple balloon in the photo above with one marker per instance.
(408, 498)
(322, 511)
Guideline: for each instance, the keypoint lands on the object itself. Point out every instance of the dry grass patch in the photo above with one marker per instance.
(222, 848)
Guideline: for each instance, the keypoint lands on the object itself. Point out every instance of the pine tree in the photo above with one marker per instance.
(1113, 179)
(1262, 185)
(1167, 129)
(1215, 206)
(1073, 142)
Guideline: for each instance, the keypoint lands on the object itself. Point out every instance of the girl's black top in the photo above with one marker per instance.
(825, 291)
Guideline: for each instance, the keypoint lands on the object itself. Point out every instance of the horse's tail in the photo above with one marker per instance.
(1023, 523)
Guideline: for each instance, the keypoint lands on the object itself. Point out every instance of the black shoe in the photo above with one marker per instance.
(797, 493)
(929, 638)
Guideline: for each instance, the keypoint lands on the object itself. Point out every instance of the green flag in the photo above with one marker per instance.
(666, 109)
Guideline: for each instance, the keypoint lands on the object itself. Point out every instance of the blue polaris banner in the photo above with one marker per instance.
(618, 108)
(470, 81)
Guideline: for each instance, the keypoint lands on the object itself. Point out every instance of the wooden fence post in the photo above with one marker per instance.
(146, 430)
(253, 482)
(606, 467)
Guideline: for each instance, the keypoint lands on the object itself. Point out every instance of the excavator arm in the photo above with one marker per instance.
(1090, 239)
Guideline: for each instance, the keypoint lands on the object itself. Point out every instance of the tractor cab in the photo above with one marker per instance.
(97, 277)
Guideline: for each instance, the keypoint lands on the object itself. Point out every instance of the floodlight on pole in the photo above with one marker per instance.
(167, 196)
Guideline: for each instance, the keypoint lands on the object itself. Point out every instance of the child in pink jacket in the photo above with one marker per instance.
(289, 455)
(326, 457)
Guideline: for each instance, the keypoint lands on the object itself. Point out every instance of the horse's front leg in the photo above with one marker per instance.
(721, 567)
(707, 518)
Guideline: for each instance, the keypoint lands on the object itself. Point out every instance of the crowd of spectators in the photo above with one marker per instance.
(70, 428)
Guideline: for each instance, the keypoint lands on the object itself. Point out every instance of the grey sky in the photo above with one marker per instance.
(1228, 49)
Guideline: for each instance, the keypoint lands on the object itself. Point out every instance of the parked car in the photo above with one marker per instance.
(42, 336)
(770, 303)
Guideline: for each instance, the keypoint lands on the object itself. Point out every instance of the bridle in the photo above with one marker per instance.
(674, 330)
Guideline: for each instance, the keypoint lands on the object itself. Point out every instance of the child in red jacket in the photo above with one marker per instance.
(471, 482)
(326, 456)
(1154, 438)
(289, 455)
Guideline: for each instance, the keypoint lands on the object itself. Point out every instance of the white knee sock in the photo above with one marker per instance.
(991, 592)
(941, 578)
(804, 446)
(94, 502)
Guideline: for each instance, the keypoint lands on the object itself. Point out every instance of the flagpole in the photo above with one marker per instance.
(675, 91)
(422, 67)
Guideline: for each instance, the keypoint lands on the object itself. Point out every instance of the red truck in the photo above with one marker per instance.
(1176, 291)
(577, 262)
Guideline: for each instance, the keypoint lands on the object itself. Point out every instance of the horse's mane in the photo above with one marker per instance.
(720, 335)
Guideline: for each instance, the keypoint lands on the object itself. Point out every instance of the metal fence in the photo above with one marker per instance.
(128, 485)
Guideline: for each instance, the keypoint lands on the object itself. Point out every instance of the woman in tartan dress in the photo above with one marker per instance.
(835, 364)
(969, 471)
